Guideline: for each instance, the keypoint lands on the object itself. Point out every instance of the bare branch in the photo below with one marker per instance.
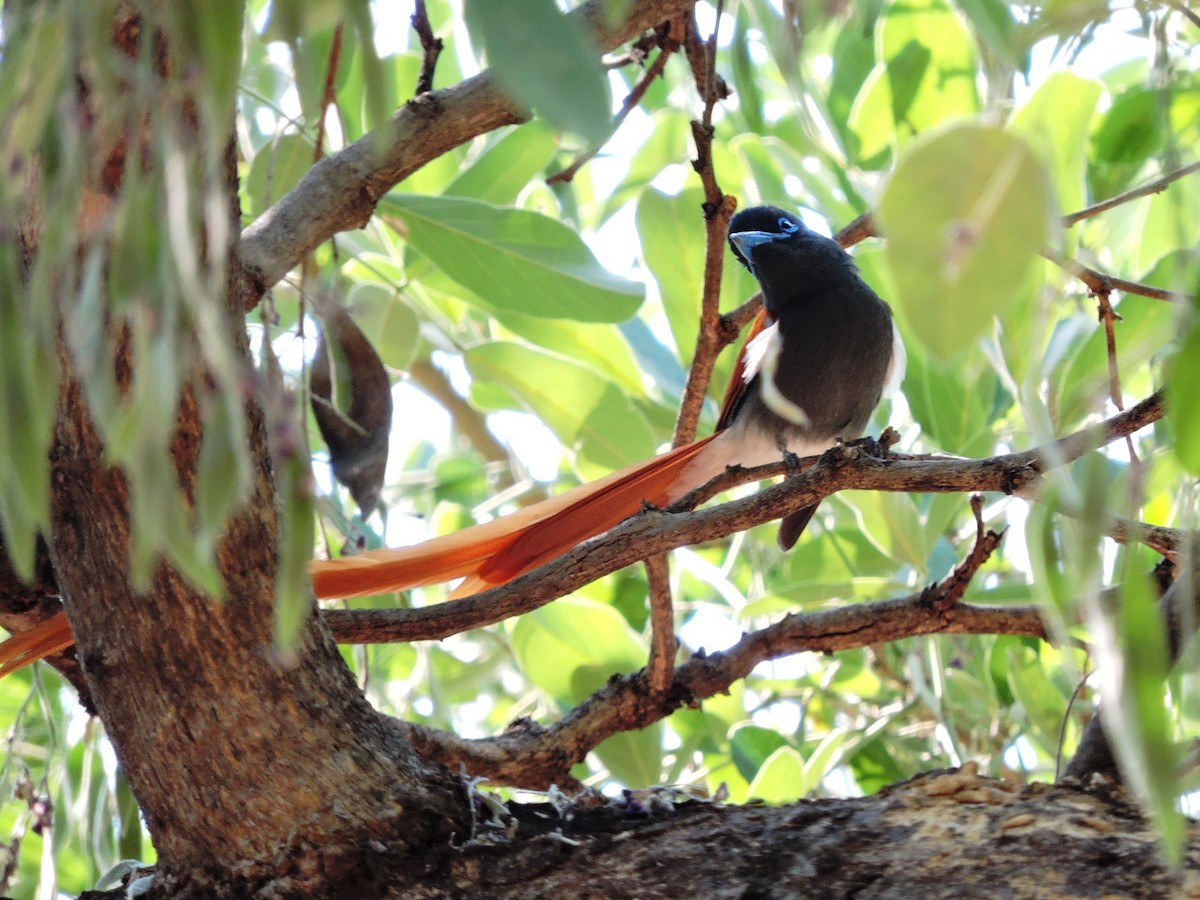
(952, 588)
(1150, 187)
(1163, 540)
(718, 210)
(1099, 283)
(1188, 14)
(859, 230)
(430, 44)
(661, 667)
(537, 757)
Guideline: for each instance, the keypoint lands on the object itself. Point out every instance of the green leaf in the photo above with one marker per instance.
(1044, 704)
(1137, 724)
(824, 758)
(781, 779)
(28, 401)
(547, 61)
(925, 75)
(752, 746)
(514, 259)
(503, 170)
(1056, 122)
(214, 29)
(1183, 413)
(354, 98)
(378, 88)
(276, 169)
(992, 21)
(389, 323)
(223, 478)
(598, 346)
(293, 594)
(1132, 130)
(634, 758)
(587, 412)
(291, 19)
(571, 647)
(965, 215)
(746, 74)
(953, 404)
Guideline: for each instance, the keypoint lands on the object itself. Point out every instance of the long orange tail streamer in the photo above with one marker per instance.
(485, 555)
(492, 553)
(52, 636)
(498, 551)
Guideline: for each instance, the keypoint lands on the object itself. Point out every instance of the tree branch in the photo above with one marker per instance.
(657, 531)
(663, 645)
(1150, 187)
(1099, 283)
(718, 210)
(341, 191)
(536, 756)
(431, 45)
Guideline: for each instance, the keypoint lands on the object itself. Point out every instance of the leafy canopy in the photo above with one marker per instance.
(568, 311)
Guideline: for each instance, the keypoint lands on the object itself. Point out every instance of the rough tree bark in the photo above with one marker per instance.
(255, 773)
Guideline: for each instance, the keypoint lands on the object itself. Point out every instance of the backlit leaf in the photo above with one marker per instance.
(513, 258)
(965, 214)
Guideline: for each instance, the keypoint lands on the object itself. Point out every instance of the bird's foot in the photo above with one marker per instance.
(876, 448)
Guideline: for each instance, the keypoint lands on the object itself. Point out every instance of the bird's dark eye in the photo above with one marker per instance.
(788, 226)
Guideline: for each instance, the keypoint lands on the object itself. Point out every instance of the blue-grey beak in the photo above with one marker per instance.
(745, 241)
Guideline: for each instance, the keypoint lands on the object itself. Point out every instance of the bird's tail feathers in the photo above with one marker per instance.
(496, 552)
(51, 636)
(485, 555)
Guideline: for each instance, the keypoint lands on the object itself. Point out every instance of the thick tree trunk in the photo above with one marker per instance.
(255, 772)
(241, 761)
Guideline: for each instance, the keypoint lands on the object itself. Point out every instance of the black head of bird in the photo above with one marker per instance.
(778, 249)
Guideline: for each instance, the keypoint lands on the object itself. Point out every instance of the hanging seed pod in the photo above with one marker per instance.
(352, 402)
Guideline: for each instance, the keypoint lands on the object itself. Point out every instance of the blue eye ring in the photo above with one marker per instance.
(787, 225)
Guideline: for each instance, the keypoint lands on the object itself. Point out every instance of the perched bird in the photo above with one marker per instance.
(820, 355)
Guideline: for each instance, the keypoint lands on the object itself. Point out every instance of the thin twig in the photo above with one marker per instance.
(730, 324)
(631, 101)
(329, 91)
(1150, 187)
(859, 230)
(430, 44)
(1107, 317)
(1188, 14)
(660, 669)
(1098, 282)
(1066, 720)
(952, 588)
(710, 67)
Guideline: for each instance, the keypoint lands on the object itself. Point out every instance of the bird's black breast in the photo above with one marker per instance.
(836, 335)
